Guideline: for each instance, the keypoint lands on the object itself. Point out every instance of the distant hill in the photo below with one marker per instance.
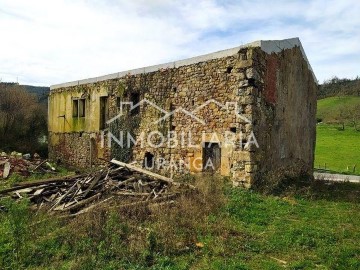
(339, 87)
(41, 91)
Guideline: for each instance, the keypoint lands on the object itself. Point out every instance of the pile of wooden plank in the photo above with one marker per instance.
(79, 193)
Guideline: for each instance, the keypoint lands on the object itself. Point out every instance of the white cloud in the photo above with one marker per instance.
(48, 42)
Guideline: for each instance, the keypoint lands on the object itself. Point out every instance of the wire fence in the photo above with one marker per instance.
(325, 167)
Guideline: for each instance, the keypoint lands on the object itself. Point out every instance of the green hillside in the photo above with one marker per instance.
(328, 108)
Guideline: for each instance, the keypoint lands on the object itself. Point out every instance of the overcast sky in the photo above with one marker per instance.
(55, 41)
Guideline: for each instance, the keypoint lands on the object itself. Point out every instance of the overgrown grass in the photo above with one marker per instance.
(217, 227)
(338, 149)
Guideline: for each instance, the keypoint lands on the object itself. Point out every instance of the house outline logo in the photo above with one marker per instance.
(192, 113)
(225, 107)
(180, 109)
(132, 106)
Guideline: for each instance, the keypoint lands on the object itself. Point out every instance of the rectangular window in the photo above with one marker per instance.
(79, 107)
(104, 112)
(118, 103)
(135, 99)
(75, 108)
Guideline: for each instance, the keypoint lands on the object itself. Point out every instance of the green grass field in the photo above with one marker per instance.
(339, 150)
(328, 107)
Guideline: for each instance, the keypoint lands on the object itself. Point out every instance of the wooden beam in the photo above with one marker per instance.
(22, 185)
(68, 178)
(81, 203)
(140, 170)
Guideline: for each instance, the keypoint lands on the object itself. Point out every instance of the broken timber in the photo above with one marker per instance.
(79, 194)
(148, 173)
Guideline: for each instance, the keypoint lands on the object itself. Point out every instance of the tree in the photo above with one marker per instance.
(16, 107)
(354, 113)
(341, 116)
(348, 115)
(22, 119)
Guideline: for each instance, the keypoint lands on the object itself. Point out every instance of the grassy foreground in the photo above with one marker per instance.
(217, 227)
(338, 149)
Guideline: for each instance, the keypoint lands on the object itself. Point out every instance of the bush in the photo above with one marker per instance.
(22, 120)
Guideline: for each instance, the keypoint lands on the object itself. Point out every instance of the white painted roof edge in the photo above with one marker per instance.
(268, 46)
(276, 46)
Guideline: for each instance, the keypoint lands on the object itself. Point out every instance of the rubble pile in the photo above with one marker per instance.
(80, 193)
(24, 165)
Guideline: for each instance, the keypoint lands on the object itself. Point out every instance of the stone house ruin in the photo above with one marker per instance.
(244, 112)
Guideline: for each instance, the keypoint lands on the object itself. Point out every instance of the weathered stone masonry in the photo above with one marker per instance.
(269, 83)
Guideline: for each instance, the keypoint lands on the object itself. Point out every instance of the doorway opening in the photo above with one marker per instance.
(211, 156)
(149, 160)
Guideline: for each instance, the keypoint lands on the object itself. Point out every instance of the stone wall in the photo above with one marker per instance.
(80, 149)
(250, 94)
(286, 122)
(204, 89)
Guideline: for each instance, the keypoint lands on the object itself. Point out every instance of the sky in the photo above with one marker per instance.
(49, 42)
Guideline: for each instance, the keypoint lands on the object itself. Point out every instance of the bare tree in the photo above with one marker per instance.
(355, 113)
(18, 109)
(348, 114)
(342, 116)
